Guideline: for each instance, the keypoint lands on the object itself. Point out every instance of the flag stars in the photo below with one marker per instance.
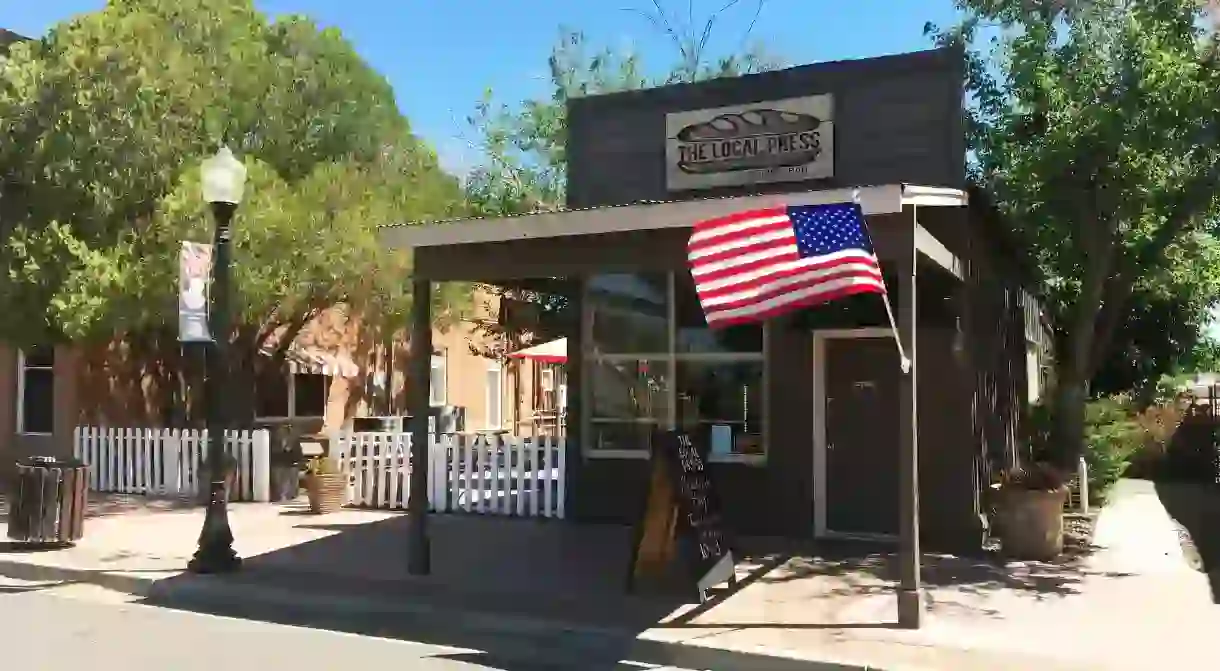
(828, 229)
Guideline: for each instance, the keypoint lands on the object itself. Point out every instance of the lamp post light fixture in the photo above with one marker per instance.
(224, 180)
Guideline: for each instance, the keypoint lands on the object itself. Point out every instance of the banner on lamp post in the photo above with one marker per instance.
(194, 276)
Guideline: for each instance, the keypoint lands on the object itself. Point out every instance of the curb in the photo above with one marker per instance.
(117, 582)
(417, 620)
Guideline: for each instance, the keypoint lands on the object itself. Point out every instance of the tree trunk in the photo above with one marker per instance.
(1069, 399)
(1096, 236)
(386, 406)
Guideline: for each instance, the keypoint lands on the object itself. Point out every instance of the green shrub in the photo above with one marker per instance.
(1113, 436)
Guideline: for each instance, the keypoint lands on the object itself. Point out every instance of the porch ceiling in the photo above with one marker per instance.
(935, 251)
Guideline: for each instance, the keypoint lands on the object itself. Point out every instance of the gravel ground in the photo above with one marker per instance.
(1077, 537)
(1078, 534)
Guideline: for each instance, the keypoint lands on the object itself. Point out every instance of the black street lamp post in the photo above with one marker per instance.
(224, 179)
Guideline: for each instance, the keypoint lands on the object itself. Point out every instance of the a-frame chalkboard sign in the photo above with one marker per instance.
(681, 519)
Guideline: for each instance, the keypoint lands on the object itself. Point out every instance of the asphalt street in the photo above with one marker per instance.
(53, 627)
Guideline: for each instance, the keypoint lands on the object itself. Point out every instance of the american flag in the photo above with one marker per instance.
(754, 265)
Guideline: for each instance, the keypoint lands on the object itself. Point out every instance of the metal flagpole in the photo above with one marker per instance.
(903, 359)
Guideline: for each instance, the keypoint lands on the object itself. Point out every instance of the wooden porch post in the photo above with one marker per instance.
(910, 596)
(418, 405)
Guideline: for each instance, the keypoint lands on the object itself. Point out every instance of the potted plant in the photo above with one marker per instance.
(325, 485)
(229, 470)
(1029, 507)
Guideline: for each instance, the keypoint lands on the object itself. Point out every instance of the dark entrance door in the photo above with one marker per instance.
(862, 376)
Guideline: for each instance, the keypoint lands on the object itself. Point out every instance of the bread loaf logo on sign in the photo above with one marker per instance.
(787, 140)
(756, 139)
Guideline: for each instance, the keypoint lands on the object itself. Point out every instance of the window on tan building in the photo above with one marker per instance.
(495, 395)
(36, 391)
(438, 381)
(292, 396)
(546, 384)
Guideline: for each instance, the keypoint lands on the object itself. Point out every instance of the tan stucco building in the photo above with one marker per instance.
(334, 374)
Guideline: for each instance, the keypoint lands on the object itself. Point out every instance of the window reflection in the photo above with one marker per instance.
(630, 391)
(629, 403)
(709, 381)
(622, 437)
(629, 313)
(723, 401)
(693, 334)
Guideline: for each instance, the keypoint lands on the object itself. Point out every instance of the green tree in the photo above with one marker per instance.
(104, 123)
(114, 110)
(1165, 318)
(1204, 357)
(1095, 123)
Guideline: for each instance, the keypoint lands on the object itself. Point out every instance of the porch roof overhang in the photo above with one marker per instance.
(886, 199)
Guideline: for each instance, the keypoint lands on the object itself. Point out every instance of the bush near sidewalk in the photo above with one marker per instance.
(1123, 436)
(1113, 437)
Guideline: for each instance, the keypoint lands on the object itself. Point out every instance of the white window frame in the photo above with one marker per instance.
(546, 387)
(22, 368)
(290, 378)
(496, 395)
(590, 357)
(438, 397)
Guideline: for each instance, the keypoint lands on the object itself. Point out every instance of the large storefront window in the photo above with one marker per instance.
(653, 364)
(695, 338)
(722, 402)
(630, 314)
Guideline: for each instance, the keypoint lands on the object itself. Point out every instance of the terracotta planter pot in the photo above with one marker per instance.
(326, 492)
(1031, 523)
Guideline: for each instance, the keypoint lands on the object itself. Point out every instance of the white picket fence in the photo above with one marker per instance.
(492, 475)
(166, 462)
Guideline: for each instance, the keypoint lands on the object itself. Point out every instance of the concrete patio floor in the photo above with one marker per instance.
(1122, 607)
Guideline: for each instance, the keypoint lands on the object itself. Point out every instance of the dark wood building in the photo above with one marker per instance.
(809, 414)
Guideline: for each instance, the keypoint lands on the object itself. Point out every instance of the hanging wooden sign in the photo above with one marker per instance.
(681, 519)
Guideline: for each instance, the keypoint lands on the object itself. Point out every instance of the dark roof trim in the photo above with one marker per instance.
(883, 199)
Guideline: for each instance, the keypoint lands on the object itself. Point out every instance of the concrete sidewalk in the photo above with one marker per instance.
(559, 584)
(351, 608)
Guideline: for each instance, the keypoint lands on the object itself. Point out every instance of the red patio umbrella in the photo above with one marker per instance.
(555, 351)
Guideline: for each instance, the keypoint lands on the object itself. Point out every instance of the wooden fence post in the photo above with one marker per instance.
(261, 465)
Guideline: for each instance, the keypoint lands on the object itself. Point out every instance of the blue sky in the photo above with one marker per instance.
(440, 55)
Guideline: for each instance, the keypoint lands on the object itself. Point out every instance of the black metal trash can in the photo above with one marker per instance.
(48, 500)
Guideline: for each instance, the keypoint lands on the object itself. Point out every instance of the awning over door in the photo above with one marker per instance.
(555, 351)
(305, 359)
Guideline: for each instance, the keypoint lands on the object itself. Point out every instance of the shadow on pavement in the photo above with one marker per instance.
(503, 589)
(1196, 507)
(529, 594)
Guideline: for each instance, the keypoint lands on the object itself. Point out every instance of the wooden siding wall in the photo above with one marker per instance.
(997, 333)
(897, 119)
